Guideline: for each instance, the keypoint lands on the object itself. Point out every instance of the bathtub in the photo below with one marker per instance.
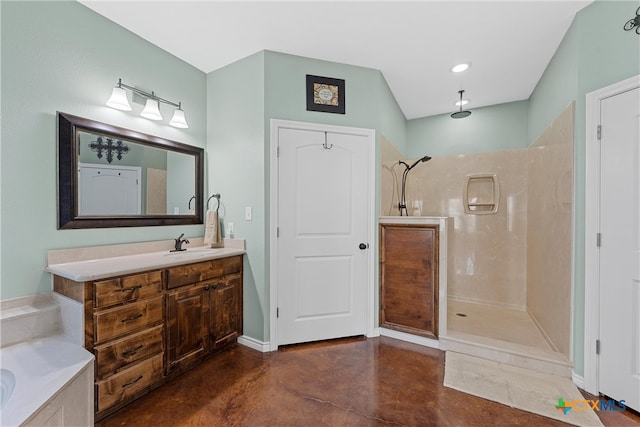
(46, 380)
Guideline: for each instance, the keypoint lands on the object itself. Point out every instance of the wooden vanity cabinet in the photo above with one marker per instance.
(145, 328)
(409, 278)
(225, 316)
(187, 310)
(205, 316)
(124, 329)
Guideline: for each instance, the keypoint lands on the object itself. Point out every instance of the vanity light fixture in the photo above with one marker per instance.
(119, 99)
(178, 120)
(151, 111)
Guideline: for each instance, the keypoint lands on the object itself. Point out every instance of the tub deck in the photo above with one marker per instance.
(42, 368)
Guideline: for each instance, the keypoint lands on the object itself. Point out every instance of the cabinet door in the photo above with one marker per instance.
(225, 311)
(409, 278)
(187, 326)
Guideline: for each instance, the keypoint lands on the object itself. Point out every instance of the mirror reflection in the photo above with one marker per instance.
(119, 177)
(114, 177)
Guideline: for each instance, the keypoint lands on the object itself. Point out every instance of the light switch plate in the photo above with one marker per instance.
(248, 213)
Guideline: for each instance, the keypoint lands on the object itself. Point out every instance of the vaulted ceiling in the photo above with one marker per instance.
(413, 43)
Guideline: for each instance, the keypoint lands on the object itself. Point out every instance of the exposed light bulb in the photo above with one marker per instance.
(461, 102)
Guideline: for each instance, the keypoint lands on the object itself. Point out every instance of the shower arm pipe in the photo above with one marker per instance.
(402, 206)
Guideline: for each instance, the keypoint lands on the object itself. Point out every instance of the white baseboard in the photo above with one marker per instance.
(374, 333)
(415, 339)
(263, 347)
(578, 380)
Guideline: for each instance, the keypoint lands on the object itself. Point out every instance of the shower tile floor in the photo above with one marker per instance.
(495, 323)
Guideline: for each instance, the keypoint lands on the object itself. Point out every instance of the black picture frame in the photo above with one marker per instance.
(325, 94)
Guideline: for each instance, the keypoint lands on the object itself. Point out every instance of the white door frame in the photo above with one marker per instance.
(592, 227)
(276, 125)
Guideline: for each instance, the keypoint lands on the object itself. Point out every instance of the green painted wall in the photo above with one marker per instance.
(237, 152)
(493, 128)
(61, 56)
(596, 52)
(242, 99)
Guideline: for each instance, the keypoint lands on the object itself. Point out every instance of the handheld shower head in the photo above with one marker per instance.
(402, 206)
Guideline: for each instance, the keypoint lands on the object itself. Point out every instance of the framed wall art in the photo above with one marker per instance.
(325, 94)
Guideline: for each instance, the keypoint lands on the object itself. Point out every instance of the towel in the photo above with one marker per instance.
(212, 234)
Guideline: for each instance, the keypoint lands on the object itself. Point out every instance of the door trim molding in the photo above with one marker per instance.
(276, 125)
(592, 227)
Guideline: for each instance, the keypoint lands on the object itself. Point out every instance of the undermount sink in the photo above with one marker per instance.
(7, 384)
(193, 253)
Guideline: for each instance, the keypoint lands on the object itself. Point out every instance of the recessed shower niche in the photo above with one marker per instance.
(481, 194)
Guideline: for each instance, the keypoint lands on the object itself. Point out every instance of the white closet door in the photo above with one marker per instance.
(108, 190)
(620, 248)
(323, 218)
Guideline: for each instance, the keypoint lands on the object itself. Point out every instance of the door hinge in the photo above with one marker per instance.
(277, 232)
(278, 151)
(598, 239)
(597, 346)
(599, 132)
(277, 312)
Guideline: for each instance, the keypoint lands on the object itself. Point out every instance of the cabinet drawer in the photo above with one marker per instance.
(232, 265)
(121, 320)
(193, 273)
(118, 354)
(129, 288)
(125, 384)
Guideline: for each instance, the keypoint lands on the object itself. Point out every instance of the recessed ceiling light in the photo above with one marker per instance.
(462, 102)
(460, 68)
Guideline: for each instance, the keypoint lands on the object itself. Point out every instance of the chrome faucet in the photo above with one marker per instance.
(179, 242)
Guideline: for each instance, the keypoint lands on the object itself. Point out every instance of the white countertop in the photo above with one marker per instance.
(94, 269)
(41, 367)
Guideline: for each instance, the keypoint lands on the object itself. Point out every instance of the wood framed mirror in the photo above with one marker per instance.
(114, 177)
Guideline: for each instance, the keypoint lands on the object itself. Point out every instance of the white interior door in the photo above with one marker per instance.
(323, 217)
(619, 363)
(108, 190)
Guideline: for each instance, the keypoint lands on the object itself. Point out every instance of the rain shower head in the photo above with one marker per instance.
(461, 114)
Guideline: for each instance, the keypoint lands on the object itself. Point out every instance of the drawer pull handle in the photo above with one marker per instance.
(129, 319)
(132, 382)
(132, 351)
(133, 288)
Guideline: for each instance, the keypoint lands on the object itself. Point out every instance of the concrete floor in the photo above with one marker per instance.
(351, 382)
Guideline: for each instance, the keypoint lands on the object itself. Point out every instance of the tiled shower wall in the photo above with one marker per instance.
(549, 230)
(519, 257)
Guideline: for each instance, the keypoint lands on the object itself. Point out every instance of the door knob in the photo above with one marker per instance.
(363, 246)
